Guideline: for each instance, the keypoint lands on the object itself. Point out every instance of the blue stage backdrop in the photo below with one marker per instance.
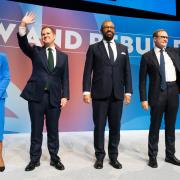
(158, 6)
(75, 31)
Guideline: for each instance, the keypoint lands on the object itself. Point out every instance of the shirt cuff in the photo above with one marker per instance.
(128, 94)
(86, 93)
(22, 30)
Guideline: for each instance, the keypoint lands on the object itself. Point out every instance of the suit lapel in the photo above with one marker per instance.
(58, 57)
(44, 58)
(104, 52)
(154, 59)
(118, 52)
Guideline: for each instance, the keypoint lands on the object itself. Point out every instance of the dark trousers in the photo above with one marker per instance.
(38, 111)
(110, 108)
(166, 104)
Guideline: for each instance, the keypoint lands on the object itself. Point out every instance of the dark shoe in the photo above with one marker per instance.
(153, 163)
(116, 164)
(98, 164)
(173, 160)
(32, 165)
(2, 168)
(57, 164)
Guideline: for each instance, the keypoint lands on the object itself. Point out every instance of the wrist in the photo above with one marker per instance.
(22, 24)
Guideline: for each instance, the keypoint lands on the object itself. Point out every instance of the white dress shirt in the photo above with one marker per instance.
(170, 72)
(54, 54)
(113, 46)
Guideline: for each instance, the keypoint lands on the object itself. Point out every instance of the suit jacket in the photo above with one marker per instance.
(102, 77)
(149, 66)
(58, 79)
(4, 75)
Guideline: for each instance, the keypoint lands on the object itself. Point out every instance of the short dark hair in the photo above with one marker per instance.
(102, 25)
(155, 33)
(52, 29)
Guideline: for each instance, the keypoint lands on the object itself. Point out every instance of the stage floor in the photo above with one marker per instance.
(77, 154)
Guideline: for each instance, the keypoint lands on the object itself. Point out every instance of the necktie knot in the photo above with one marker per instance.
(50, 49)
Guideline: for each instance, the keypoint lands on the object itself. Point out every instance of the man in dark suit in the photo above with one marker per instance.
(162, 65)
(107, 62)
(47, 91)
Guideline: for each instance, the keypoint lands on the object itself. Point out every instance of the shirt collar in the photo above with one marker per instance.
(112, 41)
(157, 50)
(53, 48)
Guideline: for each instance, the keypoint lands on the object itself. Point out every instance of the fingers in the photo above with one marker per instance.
(87, 98)
(145, 105)
(127, 99)
(63, 102)
(30, 14)
(29, 18)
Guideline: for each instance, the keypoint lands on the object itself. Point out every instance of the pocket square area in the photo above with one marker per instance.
(123, 53)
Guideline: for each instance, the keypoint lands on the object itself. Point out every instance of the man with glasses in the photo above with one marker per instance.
(107, 80)
(162, 66)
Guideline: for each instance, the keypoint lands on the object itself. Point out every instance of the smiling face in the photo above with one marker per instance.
(108, 30)
(48, 37)
(161, 39)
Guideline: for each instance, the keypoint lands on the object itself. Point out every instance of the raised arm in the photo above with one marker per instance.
(29, 18)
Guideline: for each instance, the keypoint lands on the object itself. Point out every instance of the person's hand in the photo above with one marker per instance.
(127, 99)
(145, 105)
(63, 102)
(87, 98)
(29, 18)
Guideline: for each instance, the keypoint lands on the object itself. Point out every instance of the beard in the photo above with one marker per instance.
(108, 37)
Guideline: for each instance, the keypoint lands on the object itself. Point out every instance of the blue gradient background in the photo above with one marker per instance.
(158, 6)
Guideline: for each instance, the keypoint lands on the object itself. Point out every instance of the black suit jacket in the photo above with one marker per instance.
(149, 66)
(102, 77)
(58, 79)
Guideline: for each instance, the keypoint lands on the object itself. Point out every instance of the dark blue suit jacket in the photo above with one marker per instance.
(150, 67)
(58, 79)
(102, 77)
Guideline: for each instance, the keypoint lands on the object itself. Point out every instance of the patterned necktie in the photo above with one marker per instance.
(111, 54)
(162, 71)
(50, 60)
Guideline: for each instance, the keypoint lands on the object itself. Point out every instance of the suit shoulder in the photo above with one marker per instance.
(122, 46)
(172, 49)
(148, 53)
(62, 53)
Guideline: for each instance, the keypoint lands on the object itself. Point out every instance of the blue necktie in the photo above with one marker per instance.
(111, 54)
(162, 71)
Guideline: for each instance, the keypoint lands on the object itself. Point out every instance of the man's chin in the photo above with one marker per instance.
(46, 44)
(108, 38)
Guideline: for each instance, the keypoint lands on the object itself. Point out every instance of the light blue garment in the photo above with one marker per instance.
(2, 102)
(4, 81)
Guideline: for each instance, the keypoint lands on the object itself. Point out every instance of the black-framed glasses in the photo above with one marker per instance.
(108, 27)
(163, 37)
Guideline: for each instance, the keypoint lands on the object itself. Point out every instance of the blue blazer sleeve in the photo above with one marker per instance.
(4, 75)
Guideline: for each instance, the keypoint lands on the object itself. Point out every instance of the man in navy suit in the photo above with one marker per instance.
(47, 91)
(162, 66)
(107, 81)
